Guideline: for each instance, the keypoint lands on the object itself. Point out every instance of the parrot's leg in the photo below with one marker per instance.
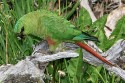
(52, 44)
(55, 46)
(94, 53)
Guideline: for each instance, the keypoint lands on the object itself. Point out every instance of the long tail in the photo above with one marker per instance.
(94, 53)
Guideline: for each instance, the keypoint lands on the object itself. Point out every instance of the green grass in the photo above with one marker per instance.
(75, 69)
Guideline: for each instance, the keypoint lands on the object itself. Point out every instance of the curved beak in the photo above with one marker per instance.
(20, 35)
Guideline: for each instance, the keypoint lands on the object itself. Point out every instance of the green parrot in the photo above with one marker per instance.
(55, 29)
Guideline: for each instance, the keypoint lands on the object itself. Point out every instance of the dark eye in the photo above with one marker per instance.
(22, 29)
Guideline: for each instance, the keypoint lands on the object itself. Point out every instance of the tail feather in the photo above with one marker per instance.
(85, 36)
(94, 53)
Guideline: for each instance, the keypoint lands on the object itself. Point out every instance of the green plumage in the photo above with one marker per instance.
(45, 24)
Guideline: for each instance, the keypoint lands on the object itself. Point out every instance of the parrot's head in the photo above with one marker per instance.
(23, 26)
(19, 28)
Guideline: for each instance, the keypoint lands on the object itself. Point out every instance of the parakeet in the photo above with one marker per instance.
(55, 29)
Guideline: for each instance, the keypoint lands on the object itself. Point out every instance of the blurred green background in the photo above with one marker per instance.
(13, 50)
